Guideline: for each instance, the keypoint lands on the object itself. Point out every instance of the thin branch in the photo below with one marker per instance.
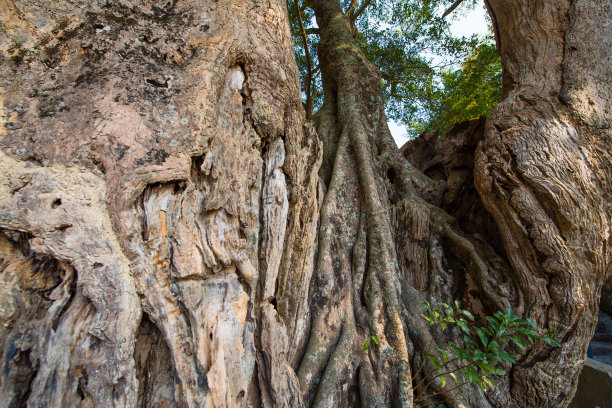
(452, 8)
(441, 375)
(457, 386)
(360, 10)
(304, 5)
(311, 31)
(307, 54)
(446, 391)
(426, 376)
(352, 7)
(424, 358)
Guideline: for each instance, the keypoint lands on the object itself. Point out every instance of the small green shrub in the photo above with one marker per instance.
(483, 349)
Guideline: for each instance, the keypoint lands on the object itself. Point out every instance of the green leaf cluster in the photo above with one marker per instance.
(484, 349)
(413, 47)
(468, 92)
(366, 345)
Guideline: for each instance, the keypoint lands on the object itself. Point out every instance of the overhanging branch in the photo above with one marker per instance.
(352, 7)
(360, 10)
(309, 101)
(452, 8)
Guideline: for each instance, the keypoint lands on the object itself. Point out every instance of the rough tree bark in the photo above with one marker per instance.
(174, 234)
(157, 179)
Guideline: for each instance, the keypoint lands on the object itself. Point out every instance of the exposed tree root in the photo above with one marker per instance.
(370, 176)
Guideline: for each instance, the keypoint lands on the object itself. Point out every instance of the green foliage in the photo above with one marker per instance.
(412, 45)
(366, 345)
(483, 352)
(303, 58)
(468, 92)
(429, 77)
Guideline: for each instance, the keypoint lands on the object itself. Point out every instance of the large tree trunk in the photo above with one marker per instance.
(544, 172)
(174, 234)
(157, 186)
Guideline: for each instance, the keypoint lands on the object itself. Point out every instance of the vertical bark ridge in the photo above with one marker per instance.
(147, 125)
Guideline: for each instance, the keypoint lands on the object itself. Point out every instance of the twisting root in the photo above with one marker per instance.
(360, 288)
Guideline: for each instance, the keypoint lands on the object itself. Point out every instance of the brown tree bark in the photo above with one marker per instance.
(157, 187)
(543, 173)
(174, 234)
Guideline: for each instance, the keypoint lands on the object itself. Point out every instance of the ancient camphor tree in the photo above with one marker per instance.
(175, 234)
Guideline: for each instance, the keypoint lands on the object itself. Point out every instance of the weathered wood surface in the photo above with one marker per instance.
(157, 186)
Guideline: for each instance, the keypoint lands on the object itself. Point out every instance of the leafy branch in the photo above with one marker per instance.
(308, 82)
(484, 348)
(452, 8)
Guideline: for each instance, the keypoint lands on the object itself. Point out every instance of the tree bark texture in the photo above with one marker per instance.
(158, 186)
(174, 234)
(543, 173)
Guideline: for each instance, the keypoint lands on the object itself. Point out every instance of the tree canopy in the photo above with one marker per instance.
(430, 77)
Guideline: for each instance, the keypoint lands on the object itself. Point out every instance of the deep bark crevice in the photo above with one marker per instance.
(156, 380)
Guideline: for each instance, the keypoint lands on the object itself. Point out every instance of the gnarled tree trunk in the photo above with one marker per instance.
(157, 182)
(174, 233)
(544, 174)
